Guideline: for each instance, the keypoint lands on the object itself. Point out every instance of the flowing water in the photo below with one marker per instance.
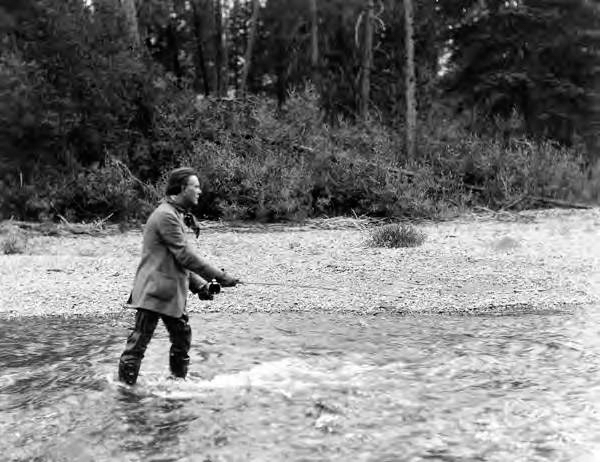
(308, 387)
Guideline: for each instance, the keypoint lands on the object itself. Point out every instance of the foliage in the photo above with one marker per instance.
(531, 56)
(14, 242)
(109, 191)
(396, 235)
(71, 87)
(492, 173)
(283, 54)
(268, 164)
(258, 162)
(90, 124)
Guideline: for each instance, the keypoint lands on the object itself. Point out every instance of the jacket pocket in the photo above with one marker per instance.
(161, 286)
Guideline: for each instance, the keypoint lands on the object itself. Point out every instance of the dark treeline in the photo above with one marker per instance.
(297, 108)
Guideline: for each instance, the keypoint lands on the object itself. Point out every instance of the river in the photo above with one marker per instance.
(308, 387)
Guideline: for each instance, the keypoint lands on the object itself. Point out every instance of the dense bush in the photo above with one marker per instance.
(259, 162)
(107, 192)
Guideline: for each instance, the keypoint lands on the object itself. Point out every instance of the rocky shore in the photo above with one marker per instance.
(485, 263)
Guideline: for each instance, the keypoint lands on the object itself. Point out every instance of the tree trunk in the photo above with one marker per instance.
(591, 129)
(411, 103)
(592, 126)
(367, 61)
(219, 47)
(287, 59)
(249, 45)
(314, 37)
(173, 50)
(199, 58)
(225, 65)
(130, 12)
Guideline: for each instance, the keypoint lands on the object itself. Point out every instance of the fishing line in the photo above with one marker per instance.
(296, 286)
(315, 287)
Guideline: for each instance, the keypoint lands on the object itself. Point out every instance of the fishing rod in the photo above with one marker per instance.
(215, 287)
(282, 284)
(315, 287)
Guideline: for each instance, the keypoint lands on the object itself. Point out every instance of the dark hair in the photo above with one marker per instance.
(178, 179)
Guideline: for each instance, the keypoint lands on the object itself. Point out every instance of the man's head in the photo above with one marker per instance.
(183, 183)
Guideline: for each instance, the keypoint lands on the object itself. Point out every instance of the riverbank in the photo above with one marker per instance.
(534, 260)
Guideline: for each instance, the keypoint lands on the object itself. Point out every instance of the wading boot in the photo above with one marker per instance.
(128, 373)
(179, 366)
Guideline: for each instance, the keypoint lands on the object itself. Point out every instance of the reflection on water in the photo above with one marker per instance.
(310, 387)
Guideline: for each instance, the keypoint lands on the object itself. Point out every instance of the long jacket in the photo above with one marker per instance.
(169, 265)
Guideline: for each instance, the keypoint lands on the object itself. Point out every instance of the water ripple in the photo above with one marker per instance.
(308, 387)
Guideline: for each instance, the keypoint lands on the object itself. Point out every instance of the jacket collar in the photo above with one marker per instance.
(188, 218)
(173, 203)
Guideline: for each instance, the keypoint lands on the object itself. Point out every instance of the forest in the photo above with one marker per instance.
(291, 109)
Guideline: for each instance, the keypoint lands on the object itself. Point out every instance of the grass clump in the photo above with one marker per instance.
(13, 243)
(396, 235)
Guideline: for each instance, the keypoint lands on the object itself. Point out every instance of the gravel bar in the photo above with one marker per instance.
(492, 263)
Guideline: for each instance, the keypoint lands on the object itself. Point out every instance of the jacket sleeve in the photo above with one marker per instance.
(196, 282)
(170, 230)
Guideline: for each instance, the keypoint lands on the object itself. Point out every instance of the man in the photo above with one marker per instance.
(168, 268)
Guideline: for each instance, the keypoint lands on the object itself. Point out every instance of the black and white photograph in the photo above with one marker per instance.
(300, 230)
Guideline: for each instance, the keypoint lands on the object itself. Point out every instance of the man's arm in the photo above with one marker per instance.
(175, 239)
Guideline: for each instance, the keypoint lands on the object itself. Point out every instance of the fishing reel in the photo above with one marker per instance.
(209, 290)
(214, 287)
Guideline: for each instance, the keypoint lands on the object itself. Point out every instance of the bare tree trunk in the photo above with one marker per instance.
(173, 39)
(314, 36)
(219, 48)
(249, 46)
(132, 22)
(199, 59)
(225, 65)
(411, 103)
(367, 61)
(286, 62)
(591, 128)
(236, 68)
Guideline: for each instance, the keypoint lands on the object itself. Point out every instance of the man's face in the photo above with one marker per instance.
(191, 191)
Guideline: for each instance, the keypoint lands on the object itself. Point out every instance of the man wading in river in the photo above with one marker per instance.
(169, 266)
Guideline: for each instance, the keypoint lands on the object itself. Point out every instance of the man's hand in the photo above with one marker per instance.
(204, 293)
(227, 281)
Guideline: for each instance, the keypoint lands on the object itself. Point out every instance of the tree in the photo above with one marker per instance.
(201, 74)
(314, 36)
(591, 130)
(367, 59)
(528, 56)
(132, 21)
(220, 50)
(249, 45)
(411, 103)
(76, 88)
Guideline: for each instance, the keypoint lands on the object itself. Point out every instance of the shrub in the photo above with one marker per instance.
(492, 172)
(260, 162)
(14, 243)
(84, 195)
(396, 235)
